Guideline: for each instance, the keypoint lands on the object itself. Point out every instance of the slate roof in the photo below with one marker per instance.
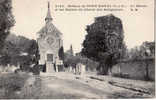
(47, 26)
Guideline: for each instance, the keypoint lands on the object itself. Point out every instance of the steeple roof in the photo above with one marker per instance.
(52, 27)
(49, 27)
(48, 17)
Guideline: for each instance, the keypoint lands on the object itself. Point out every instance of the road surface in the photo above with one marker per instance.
(69, 86)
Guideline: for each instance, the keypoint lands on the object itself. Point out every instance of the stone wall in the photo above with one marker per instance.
(135, 69)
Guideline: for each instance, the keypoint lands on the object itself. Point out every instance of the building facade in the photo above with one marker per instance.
(50, 41)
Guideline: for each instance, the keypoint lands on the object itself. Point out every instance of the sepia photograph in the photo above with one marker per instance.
(77, 49)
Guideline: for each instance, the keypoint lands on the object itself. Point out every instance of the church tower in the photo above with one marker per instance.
(48, 17)
(49, 42)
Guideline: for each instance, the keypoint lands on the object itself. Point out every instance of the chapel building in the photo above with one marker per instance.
(49, 40)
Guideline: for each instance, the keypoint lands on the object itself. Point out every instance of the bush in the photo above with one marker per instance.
(36, 69)
(11, 83)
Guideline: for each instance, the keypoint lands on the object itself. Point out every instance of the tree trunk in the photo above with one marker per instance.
(103, 68)
(110, 71)
(147, 74)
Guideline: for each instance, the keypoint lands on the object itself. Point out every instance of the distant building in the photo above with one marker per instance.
(70, 51)
(49, 42)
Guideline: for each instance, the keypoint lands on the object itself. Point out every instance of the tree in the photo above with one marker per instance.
(8, 53)
(61, 53)
(149, 48)
(135, 53)
(19, 50)
(23, 43)
(71, 50)
(33, 51)
(104, 42)
(6, 21)
(32, 48)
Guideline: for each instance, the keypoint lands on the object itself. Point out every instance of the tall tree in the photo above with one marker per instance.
(104, 41)
(61, 53)
(6, 20)
(33, 51)
(71, 50)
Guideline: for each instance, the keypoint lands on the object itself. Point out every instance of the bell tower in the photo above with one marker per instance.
(48, 17)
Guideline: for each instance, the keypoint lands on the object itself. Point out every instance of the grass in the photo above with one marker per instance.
(10, 83)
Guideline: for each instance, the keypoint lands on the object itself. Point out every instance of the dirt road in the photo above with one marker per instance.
(69, 86)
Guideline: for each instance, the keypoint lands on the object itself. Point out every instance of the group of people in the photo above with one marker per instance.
(79, 69)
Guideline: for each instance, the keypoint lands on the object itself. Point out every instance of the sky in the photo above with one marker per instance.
(30, 14)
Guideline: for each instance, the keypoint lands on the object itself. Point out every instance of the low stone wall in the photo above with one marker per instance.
(135, 69)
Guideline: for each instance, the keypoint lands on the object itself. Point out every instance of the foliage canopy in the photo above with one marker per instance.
(104, 41)
(6, 21)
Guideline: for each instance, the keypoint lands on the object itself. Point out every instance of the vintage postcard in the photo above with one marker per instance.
(77, 49)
